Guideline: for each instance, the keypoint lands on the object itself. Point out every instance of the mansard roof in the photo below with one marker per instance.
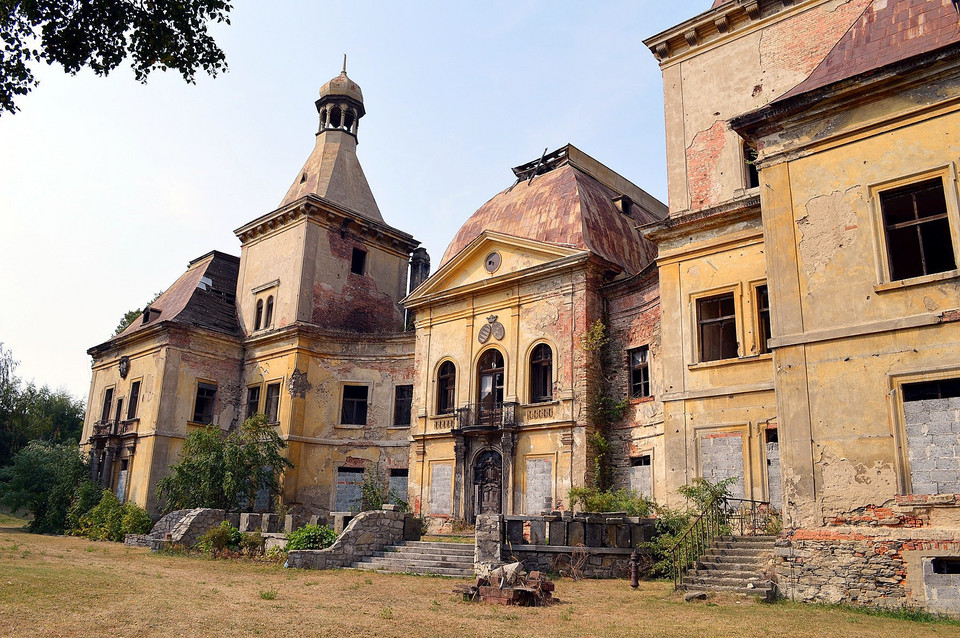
(569, 199)
(203, 296)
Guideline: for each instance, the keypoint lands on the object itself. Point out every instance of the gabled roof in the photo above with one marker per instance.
(565, 204)
(888, 31)
(203, 296)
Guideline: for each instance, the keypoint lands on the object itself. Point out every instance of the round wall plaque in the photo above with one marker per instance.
(492, 262)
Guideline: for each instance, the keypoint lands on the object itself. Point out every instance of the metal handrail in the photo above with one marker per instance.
(492, 416)
(750, 517)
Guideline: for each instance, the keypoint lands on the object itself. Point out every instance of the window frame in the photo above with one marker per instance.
(396, 405)
(204, 385)
(109, 394)
(761, 327)
(358, 252)
(646, 367)
(259, 390)
(447, 393)
(266, 397)
(365, 402)
(133, 407)
(948, 176)
(696, 301)
(540, 368)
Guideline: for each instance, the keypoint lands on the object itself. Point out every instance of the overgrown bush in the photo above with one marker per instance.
(109, 520)
(252, 543)
(217, 539)
(43, 479)
(311, 537)
(590, 499)
(85, 499)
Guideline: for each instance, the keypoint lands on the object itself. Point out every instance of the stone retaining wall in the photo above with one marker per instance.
(367, 533)
(876, 568)
(601, 562)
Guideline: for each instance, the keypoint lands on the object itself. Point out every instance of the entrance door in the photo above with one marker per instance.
(487, 481)
(490, 388)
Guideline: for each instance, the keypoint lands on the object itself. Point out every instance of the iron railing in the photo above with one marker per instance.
(487, 416)
(722, 516)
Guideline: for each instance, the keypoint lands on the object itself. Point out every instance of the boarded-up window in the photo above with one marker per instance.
(122, 481)
(931, 413)
(774, 482)
(721, 457)
(441, 487)
(539, 496)
(641, 475)
(398, 485)
(349, 495)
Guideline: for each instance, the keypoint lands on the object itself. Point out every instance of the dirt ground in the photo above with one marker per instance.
(61, 586)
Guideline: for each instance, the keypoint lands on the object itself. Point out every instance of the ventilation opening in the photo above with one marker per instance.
(303, 178)
(946, 565)
(335, 117)
(772, 436)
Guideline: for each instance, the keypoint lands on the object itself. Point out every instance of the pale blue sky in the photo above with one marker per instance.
(108, 187)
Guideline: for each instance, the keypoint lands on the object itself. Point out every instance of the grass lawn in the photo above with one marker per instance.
(52, 586)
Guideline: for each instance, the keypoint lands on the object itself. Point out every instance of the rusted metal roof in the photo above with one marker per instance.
(203, 296)
(888, 31)
(568, 207)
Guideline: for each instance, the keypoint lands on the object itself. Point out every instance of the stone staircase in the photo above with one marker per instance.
(418, 557)
(734, 564)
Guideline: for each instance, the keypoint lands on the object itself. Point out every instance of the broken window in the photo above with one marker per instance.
(402, 404)
(253, 400)
(134, 400)
(750, 166)
(639, 372)
(268, 318)
(763, 319)
(203, 406)
(258, 321)
(919, 241)
(354, 408)
(541, 374)
(271, 406)
(446, 386)
(358, 261)
(107, 404)
(717, 323)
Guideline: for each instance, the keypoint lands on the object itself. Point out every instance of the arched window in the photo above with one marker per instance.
(446, 388)
(259, 318)
(541, 374)
(490, 387)
(269, 318)
(335, 117)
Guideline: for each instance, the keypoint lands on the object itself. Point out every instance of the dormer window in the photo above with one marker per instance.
(358, 261)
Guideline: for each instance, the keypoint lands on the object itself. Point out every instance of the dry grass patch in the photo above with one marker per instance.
(53, 585)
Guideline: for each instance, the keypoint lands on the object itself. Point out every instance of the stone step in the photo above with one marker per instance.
(733, 571)
(434, 571)
(722, 581)
(760, 539)
(416, 564)
(759, 590)
(453, 547)
(437, 553)
(444, 551)
(738, 552)
(418, 557)
(742, 562)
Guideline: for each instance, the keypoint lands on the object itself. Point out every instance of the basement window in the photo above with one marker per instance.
(353, 410)
(717, 327)
(358, 261)
(917, 229)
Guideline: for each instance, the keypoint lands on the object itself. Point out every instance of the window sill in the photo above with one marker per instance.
(540, 404)
(916, 281)
(723, 362)
(398, 427)
(350, 426)
(636, 400)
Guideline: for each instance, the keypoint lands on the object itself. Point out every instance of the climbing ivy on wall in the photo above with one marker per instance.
(603, 408)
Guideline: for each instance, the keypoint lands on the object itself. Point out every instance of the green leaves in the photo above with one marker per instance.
(100, 34)
(225, 471)
(43, 478)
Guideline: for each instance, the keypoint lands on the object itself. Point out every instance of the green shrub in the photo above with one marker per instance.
(135, 519)
(217, 539)
(311, 537)
(86, 497)
(591, 499)
(105, 521)
(251, 543)
(43, 479)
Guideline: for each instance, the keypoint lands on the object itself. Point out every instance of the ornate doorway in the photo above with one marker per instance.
(487, 482)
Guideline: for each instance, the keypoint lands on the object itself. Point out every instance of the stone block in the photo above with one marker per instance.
(515, 532)
(269, 523)
(558, 533)
(249, 522)
(624, 537)
(390, 507)
(576, 534)
(594, 535)
(638, 534)
(341, 520)
(609, 535)
(233, 518)
(538, 532)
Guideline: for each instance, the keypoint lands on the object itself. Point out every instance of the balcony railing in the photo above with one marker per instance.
(115, 428)
(487, 416)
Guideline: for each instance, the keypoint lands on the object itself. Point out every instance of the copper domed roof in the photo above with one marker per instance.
(342, 85)
(568, 207)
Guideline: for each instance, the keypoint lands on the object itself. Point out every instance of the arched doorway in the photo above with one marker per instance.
(487, 482)
(490, 388)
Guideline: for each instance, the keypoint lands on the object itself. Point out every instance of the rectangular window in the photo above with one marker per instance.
(717, 323)
(763, 319)
(640, 372)
(253, 400)
(402, 404)
(203, 407)
(358, 261)
(271, 406)
(134, 400)
(107, 404)
(119, 413)
(750, 166)
(354, 409)
(919, 241)
(398, 485)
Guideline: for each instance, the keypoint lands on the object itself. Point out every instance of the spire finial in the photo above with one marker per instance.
(344, 63)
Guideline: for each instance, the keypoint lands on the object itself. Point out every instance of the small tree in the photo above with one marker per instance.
(225, 471)
(43, 479)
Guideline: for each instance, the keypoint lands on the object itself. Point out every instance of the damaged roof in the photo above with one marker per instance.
(888, 31)
(203, 296)
(567, 199)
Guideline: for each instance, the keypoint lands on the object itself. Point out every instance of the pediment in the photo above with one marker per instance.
(470, 266)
